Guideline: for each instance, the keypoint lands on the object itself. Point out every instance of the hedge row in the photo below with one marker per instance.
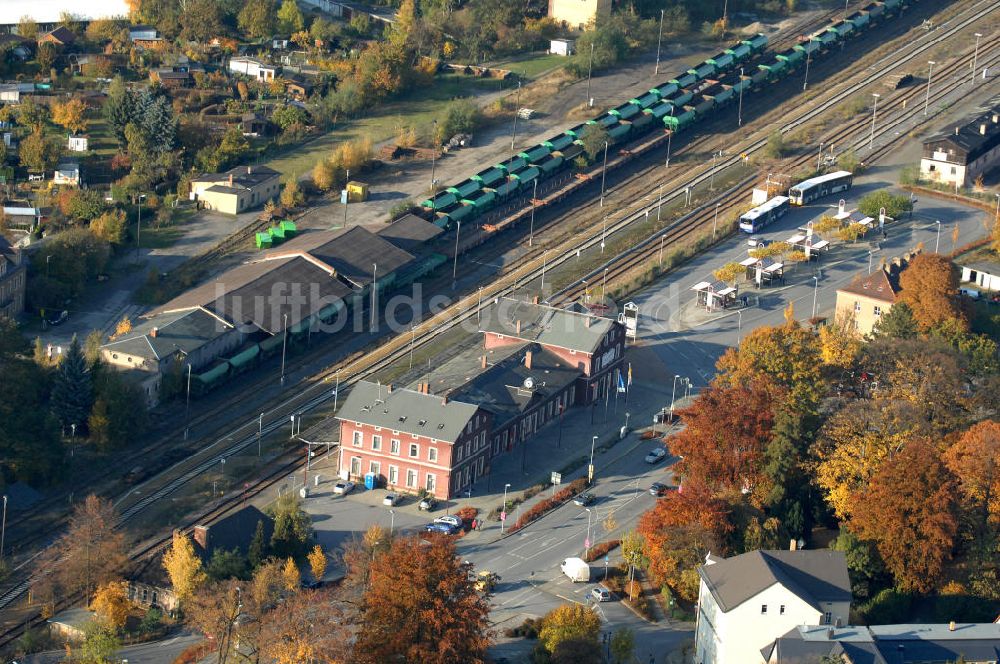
(548, 504)
(601, 549)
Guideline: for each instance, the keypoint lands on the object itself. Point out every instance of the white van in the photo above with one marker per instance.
(970, 293)
(576, 569)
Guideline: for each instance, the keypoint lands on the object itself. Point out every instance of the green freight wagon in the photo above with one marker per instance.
(559, 142)
(531, 155)
(527, 175)
(757, 43)
(860, 20)
(212, 378)
(703, 107)
(607, 120)
(721, 61)
(550, 164)
(641, 122)
(808, 46)
(742, 85)
(327, 313)
(827, 37)
(244, 359)
(465, 188)
(687, 79)
(704, 70)
(842, 28)
(577, 131)
(792, 57)
(775, 69)
(625, 111)
(679, 122)
(572, 151)
(512, 165)
(645, 101)
(760, 77)
(272, 344)
(720, 93)
(263, 240)
(666, 90)
(682, 99)
(483, 199)
(490, 177)
(661, 110)
(289, 227)
(441, 201)
(508, 188)
(740, 52)
(620, 131)
(460, 212)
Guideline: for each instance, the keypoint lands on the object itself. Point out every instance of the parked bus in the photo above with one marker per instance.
(813, 188)
(762, 215)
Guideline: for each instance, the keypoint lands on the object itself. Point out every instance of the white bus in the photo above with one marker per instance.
(762, 215)
(813, 188)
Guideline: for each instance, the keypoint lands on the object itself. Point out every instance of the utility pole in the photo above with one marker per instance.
(454, 266)
(517, 105)
(590, 72)
(739, 113)
(534, 198)
(187, 405)
(347, 196)
(260, 431)
(819, 157)
(434, 157)
(805, 83)
(604, 171)
(374, 293)
(930, 73)
(659, 41)
(284, 345)
(975, 58)
(871, 142)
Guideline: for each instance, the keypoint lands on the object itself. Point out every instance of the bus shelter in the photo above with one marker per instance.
(810, 243)
(764, 271)
(714, 295)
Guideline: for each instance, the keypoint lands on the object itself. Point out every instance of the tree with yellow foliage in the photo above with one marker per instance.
(569, 622)
(123, 327)
(729, 272)
(324, 175)
(291, 576)
(839, 342)
(111, 603)
(183, 566)
(317, 562)
(69, 114)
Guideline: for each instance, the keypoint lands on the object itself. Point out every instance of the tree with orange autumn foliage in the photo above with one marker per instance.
(422, 606)
(930, 288)
(909, 512)
(679, 531)
(723, 443)
(975, 461)
(309, 627)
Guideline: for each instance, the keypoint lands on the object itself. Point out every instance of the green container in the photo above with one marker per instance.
(490, 177)
(245, 357)
(263, 240)
(289, 227)
(527, 175)
(465, 188)
(441, 201)
(532, 155)
(559, 142)
(277, 234)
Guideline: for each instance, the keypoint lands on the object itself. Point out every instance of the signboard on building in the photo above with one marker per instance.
(556, 478)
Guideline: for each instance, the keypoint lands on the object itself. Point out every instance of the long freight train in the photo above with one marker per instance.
(674, 106)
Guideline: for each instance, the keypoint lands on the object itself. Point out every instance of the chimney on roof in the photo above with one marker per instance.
(829, 634)
(996, 118)
(793, 545)
(444, 400)
(230, 179)
(154, 332)
(249, 170)
(982, 129)
(534, 300)
(389, 388)
(951, 626)
(517, 326)
(527, 360)
(956, 131)
(482, 364)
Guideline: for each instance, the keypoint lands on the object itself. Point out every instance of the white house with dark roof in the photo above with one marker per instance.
(960, 154)
(747, 601)
(237, 189)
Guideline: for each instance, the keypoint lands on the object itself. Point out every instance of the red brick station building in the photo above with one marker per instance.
(441, 433)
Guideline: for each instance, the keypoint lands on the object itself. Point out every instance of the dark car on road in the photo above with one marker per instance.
(584, 499)
(659, 489)
(442, 528)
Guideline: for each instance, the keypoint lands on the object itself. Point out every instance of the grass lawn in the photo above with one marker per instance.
(417, 110)
(532, 65)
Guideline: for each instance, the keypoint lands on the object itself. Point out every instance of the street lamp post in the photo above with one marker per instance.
(604, 171)
(413, 337)
(805, 82)
(3, 527)
(47, 259)
(187, 405)
(260, 431)
(534, 197)
(517, 104)
(930, 73)
(660, 203)
(590, 72)
(673, 394)
(815, 292)
(604, 232)
(374, 293)
(587, 543)
(434, 156)
(503, 509)
(975, 58)
(715, 222)
(590, 468)
(138, 224)
(604, 286)
(937, 239)
(347, 195)
(392, 521)
(871, 141)
(739, 327)
(739, 112)
(544, 254)
(819, 157)
(284, 345)
(711, 181)
(454, 265)
(659, 41)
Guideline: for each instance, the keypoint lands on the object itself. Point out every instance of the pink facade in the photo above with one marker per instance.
(409, 462)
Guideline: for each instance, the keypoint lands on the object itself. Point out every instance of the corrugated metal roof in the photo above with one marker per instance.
(546, 325)
(407, 411)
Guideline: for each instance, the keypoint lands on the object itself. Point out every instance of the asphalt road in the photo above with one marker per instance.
(157, 652)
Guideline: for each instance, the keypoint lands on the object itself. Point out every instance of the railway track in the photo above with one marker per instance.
(318, 389)
(899, 105)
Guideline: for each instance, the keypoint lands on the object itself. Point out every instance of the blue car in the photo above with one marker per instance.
(442, 528)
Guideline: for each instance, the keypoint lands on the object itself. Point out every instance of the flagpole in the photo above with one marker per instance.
(618, 378)
(628, 383)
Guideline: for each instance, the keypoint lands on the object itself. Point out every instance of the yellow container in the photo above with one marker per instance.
(357, 191)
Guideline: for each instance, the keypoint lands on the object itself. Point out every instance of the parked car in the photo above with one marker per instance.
(584, 499)
(135, 475)
(428, 504)
(450, 520)
(601, 594)
(442, 528)
(391, 499)
(657, 455)
(343, 487)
